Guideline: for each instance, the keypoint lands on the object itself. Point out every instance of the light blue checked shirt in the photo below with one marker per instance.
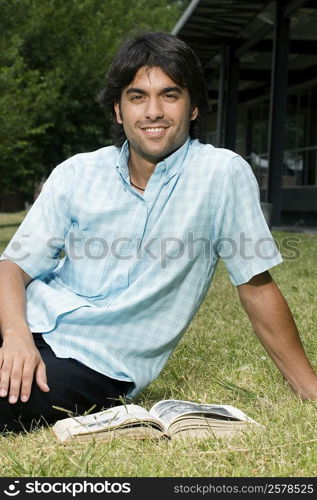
(135, 268)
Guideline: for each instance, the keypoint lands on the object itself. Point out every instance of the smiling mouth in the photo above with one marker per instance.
(154, 129)
(155, 132)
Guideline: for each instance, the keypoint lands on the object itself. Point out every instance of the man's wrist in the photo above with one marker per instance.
(18, 330)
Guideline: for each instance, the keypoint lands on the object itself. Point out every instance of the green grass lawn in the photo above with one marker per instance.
(219, 360)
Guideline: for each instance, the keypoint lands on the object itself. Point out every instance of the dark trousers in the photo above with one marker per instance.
(73, 387)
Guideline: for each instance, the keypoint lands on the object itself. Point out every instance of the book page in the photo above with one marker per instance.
(103, 420)
(171, 409)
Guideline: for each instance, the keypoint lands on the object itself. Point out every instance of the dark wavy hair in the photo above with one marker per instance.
(174, 57)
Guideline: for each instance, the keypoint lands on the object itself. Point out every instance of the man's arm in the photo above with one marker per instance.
(275, 327)
(20, 361)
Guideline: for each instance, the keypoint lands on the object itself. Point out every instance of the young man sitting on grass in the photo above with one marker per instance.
(142, 225)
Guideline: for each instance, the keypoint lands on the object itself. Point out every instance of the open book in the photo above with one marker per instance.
(168, 418)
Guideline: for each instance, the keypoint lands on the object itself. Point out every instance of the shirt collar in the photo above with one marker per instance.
(170, 165)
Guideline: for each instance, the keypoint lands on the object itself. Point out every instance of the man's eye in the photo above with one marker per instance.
(170, 97)
(136, 97)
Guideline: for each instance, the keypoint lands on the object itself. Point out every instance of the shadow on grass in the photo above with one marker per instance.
(10, 224)
(241, 391)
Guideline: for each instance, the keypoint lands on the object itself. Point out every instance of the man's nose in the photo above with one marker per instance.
(154, 109)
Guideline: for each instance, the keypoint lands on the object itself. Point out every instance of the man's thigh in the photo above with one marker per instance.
(73, 387)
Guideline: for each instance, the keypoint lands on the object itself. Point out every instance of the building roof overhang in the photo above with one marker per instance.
(248, 27)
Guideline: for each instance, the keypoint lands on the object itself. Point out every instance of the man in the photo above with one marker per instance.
(142, 225)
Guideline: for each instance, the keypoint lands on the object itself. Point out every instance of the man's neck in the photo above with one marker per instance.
(140, 169)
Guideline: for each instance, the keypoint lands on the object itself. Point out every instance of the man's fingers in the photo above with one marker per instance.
(27, 379)
(15, 381)
(17, 373)
(41, 378)
(1, 362)
(5, 377)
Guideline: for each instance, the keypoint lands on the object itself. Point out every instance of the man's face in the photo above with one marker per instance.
(155, 113)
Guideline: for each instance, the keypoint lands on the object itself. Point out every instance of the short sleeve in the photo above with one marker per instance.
(242, 238)
(37, 244)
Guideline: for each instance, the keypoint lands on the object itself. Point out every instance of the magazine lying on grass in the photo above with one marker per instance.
(168, 418)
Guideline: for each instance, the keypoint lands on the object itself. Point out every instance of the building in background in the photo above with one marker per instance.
(260, 61)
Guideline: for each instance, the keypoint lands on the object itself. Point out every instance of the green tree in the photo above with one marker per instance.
(54, 56)
(23, 95)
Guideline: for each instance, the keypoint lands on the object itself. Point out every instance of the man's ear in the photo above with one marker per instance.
(194, 113)
(117, 111)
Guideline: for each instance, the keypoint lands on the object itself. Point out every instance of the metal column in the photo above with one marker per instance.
(278, 110)
(221, 96)
(231, 100)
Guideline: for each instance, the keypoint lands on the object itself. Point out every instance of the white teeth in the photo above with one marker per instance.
(154, 129)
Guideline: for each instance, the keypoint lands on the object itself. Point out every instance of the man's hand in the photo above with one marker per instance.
(20, 363)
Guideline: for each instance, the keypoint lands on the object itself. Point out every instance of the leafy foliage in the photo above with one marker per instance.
(54, 56)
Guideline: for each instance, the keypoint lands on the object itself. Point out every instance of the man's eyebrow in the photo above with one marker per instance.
(172, 89)
(134, 90)
(165, 90)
